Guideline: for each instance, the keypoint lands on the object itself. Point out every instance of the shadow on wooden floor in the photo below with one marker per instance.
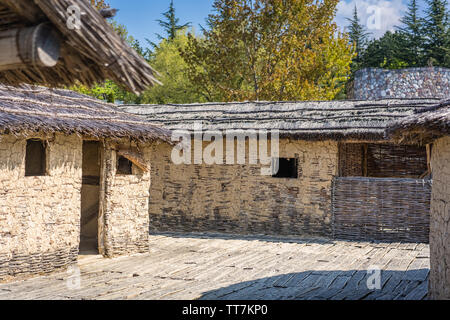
(329, 285)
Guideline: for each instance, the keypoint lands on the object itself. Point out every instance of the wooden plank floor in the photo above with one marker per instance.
(205, 266)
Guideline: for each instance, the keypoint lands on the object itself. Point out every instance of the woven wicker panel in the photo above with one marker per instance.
(396, 161)
(351, 159)
(383, 160)
(383, 209)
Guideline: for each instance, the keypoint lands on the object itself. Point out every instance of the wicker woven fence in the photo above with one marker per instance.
(381, 209)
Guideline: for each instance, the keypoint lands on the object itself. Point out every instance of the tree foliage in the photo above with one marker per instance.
(437, 33)
(358, 36)
(418, 42)
(269, 50)
(412, 31)
(171, 23)
(176, 88)
(100, 4)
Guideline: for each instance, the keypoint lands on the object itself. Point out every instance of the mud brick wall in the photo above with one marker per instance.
(238, 199)
(375, 83)
(440, 221)
(125, 207)
(39, 216)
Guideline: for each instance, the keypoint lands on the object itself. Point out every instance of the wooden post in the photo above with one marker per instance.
(365, 162)
(37, 46)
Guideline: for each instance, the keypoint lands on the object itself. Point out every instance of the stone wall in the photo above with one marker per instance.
(440, 221)
(238, 199)
(39, 216)
(374, 83)
(125, 207)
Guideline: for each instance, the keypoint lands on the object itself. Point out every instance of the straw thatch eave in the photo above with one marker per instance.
(28, 111)
(306, 120)
(90, 54)
(424, 126)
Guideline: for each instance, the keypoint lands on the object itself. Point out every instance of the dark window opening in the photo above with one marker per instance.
(124, 166)
(35, 158)
(287, 168)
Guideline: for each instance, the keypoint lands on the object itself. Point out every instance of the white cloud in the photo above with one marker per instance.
(378, 16)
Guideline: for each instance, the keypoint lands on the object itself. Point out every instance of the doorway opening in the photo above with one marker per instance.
(90, 197)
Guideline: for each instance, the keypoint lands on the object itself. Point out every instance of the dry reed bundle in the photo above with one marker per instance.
(90, 54)
(27, 110)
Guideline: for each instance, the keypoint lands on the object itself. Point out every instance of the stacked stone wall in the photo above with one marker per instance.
(374, 83)
(39, 216)
(238, 199)
(125, 207)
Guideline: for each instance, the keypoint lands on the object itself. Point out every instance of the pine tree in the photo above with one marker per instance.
(412, 29)
(437, 33)
(171, 23)
(358, 39)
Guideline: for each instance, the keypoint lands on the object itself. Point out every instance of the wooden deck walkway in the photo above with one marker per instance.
(227, 267)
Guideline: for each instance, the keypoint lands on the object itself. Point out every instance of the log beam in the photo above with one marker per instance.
(37, 46)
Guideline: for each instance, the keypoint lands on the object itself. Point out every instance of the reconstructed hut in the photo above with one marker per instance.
(431, 126)
(339, 176)
(74, 174)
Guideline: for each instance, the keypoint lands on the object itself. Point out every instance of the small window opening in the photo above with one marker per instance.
(287, 168)
(124, 166)
(35, 158)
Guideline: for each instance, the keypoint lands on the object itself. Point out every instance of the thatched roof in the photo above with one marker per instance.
(336, 120)
(90, 54)
(424, 125)
(27, 110)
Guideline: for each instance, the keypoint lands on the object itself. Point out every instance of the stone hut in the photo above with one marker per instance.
(432, 126)
(74, 175)
(338, 175)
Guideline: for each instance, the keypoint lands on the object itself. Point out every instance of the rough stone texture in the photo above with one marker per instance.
(125, 207)
(374, 83)
(440, 221)
(190, 266)
(39, 216)
(238, 199)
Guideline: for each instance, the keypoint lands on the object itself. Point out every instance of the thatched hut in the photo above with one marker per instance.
(432, 126)
(63, 42)
(74, 174)
(339, 176)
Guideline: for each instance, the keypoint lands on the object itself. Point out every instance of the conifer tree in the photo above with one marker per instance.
(171, 23)
(412, 30)
(437, 33)
(358, 36)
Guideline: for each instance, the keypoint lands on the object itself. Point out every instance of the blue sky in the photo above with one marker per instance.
(139, 16)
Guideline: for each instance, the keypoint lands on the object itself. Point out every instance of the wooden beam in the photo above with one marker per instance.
(135, 158)
(365, 161)
(26, 47)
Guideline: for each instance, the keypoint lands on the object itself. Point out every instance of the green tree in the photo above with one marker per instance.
(269, 50)
(171, 23)
(176, 88)
(388, 52)
(108, 90)
(437, 33)
(412, 30)
(100, 4)
(358, 36)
